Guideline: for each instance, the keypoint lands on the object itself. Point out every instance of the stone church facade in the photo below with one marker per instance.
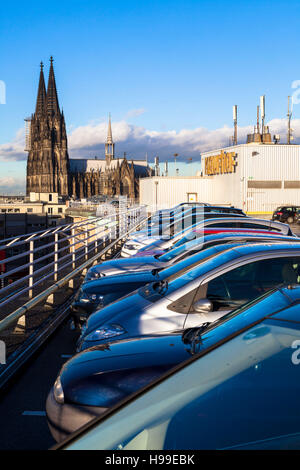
(49, 168)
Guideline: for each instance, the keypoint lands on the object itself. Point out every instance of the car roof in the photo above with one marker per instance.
(219, 255)
(254, 248)
(246, 220)
(244, 235)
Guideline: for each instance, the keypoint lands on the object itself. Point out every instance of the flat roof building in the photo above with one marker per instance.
(257, 177)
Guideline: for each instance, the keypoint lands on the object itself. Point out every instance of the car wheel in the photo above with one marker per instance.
(290, 220)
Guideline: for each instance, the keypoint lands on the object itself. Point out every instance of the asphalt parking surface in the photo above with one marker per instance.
(22, 405)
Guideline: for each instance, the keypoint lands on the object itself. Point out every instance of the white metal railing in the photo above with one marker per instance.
(29, 260)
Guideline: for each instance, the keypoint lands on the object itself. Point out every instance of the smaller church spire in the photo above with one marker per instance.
(109, 145)
(109, 139)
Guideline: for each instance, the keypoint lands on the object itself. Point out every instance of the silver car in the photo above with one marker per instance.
(157, 262)
(205, 292)
(133, 245)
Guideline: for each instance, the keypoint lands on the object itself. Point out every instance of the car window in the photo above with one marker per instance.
(243, 394)
(256, 226)
(251, 280)
(248, 281)
(244, 225)
(224, 224)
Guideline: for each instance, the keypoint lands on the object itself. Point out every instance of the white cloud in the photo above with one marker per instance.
(12, 186)
(14, 150)
(88, 140)
(134, 113)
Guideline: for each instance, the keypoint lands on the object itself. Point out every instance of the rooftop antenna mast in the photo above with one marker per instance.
(257, 120)
(289, 116)
(262, 111)
(234, 109)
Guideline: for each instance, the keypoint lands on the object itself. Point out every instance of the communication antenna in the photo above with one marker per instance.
(234, 110)
(289, 116)
(166, 168)
(156, 165)
(262, 112)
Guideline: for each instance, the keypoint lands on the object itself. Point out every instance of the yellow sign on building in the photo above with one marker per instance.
(220, 164)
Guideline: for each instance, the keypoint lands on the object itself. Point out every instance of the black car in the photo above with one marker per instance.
(96, 379)
(286, 214)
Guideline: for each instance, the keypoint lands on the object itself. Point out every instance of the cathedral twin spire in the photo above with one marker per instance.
(47, 102)
(41, 97)
(48, 159)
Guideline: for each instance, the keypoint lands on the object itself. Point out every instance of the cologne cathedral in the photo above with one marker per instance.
(49, 168)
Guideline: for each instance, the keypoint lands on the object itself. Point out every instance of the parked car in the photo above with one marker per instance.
(159, 247)
(170, 222)
(143, 242)
(113, 281)
(151, 260)
(206, 211)
(205, 292)
(286, 214)
(297, 217)
(234, 384)
(166, 225)
(99, 293)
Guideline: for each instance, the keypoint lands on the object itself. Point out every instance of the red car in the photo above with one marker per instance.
(152, 250)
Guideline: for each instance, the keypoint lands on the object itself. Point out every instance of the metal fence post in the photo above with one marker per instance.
(96, 238)
(31, 267)
(55, 256)
(86, 236)
(73, 248)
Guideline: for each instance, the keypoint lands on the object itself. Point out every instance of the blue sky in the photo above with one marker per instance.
(162, 68)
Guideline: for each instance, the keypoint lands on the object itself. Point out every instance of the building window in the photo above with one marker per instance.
(50, 210)
(50, 197)
(29, 209)
(192, 197)
(60, 210)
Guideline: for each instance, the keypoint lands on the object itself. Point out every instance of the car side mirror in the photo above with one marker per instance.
(202, 306)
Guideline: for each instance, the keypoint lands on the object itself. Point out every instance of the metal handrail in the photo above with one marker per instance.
(12, 241)
(92, 232)
(19, 312)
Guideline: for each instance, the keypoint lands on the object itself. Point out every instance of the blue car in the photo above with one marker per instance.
(212, 283)
(236, 386)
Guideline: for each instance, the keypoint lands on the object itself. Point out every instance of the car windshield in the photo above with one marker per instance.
(186, 247)
(243, 394)
(250, 312)
(185, 267)
(184, 272)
